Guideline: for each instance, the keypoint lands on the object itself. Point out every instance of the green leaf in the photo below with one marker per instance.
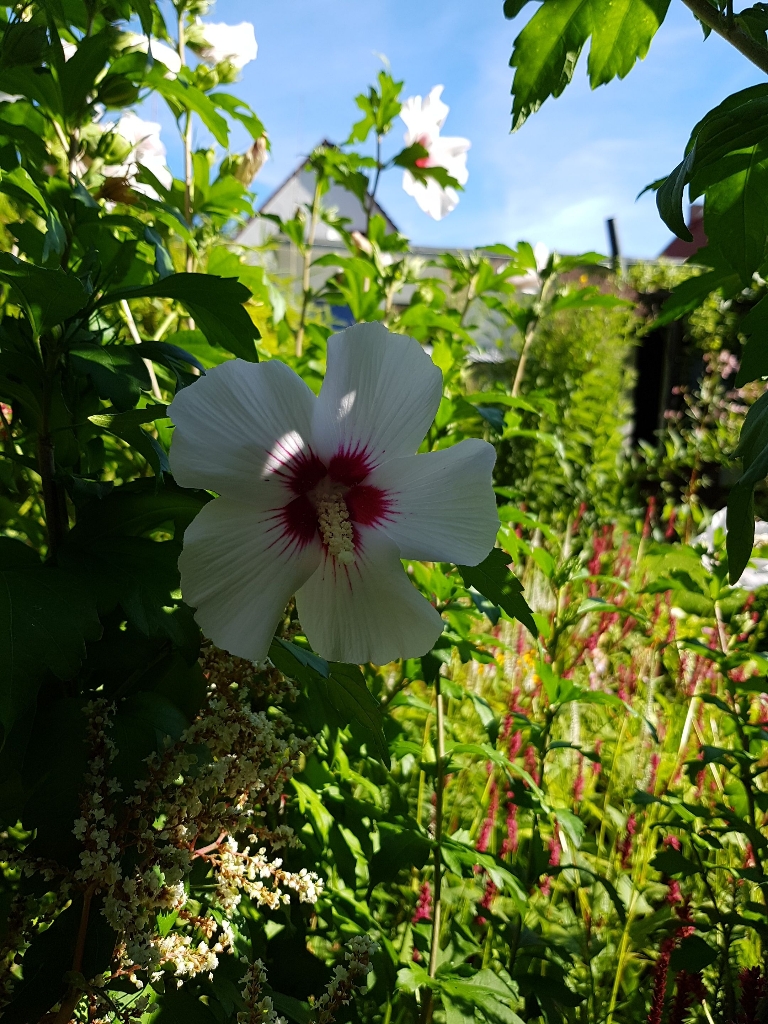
(354, 702)
(18, 184)
(79, 74)
(298, 663)
(127, 426)
(138, 508)
(621, 35)
(689, 294)
(493, 580)
(672, 862)
(513, 7)
(216, 303)
(48, 297)
(736, 211)
(45, 618)
(692, 955)
(120, 566)
(240, 111)
(118, 372)
(669, 196)
(182, 96)
(545, 54)
(754, 360)
(399, 848)
(139, 575)
(142, 725)
(740, 521)
(341, 686)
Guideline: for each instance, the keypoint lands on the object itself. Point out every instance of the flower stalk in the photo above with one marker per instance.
(434, 945)
(306, 280)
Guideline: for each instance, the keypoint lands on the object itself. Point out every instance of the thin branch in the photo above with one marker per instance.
(306, 278)
(731, 32)
(438, 853)
(134, 332)
(187, 138)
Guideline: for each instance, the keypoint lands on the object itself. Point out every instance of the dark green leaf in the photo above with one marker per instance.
(493, 580)
(669, 197)
(692, 955)
(400, 848)
(118, 372)
(45, 618)
(672, 862)
(48, 297)
(216, 303)
(354, 702)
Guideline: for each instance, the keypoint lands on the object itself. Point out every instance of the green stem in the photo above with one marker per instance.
(708, 14)
(54, 498)
(372, 194)
(306, 278)
(438, 852)
(189, 181)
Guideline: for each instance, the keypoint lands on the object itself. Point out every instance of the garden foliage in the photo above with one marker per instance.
(557, 813)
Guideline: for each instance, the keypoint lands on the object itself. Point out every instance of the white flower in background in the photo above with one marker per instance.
(161, 52)
(322, 497)
(234, 43)
(147, 151)
(70, 49)
(530, 283)
(424, 118)
(756, 573)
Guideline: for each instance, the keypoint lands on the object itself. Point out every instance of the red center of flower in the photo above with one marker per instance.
(332, 501)
(423, 161)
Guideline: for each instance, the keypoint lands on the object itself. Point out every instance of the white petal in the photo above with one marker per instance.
(234, 43)
(380, 395)
(239, 572)
(433, 200)
(236, 425)
(451, 153)
(755, 575)
(424, 116)
(442, 505)
(368, 610)
(541, 255)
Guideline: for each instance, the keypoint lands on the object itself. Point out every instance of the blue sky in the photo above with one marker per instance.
(580, 159)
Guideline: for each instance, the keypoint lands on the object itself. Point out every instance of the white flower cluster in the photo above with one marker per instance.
(259, 1008)
(240, 871)
(197, 796)
(360, 949)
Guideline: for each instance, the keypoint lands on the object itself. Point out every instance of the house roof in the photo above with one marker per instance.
(297, 191)
(678, 249)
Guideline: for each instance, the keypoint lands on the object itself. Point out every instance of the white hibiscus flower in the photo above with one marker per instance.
(756, 573)
(424, 118)
(147, 150)
(160, 51)
(322, 497)
(234, 43)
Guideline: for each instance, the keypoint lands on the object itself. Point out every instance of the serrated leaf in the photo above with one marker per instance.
(48, 297)
(621, 35)
(216, 303)
(493, 579)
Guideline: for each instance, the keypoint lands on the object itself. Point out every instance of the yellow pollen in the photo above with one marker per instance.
(335, 527)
